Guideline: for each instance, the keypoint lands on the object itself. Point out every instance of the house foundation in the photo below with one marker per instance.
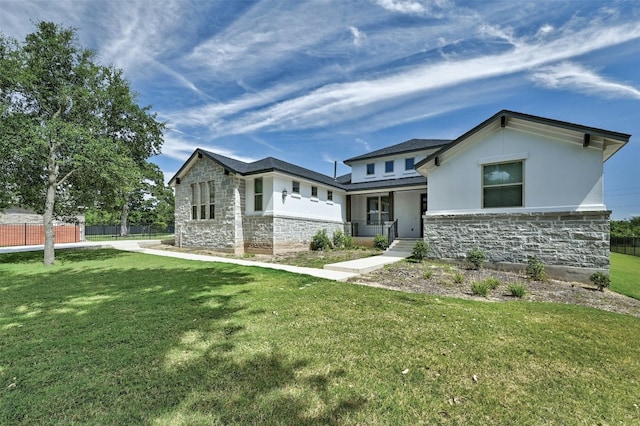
(572, 245)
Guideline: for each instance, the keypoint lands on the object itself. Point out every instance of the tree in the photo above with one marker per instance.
(56, 128)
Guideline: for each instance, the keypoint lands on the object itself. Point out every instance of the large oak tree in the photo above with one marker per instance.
(71, 133)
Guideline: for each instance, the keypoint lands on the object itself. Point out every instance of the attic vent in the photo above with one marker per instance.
(226, 172)
(177, 181)
(199, 155)
(587, 140)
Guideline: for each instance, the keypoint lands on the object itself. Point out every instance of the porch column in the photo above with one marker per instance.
(391, 207)
(348, 208)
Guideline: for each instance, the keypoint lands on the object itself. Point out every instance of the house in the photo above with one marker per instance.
(516, 185)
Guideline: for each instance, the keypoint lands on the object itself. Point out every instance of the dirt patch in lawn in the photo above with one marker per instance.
(440, 279)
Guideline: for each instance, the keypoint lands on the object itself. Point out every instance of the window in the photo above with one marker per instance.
(296, 187)
(388, 166)
(329, 195)
(502, 185)
(212, 200)
(194, 201)
(203, 200)
(371, 169)
(314, 192)
(408, 163)
(257, 194)
(378, 210)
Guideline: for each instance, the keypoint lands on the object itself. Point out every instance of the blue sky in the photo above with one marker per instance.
(311, 82)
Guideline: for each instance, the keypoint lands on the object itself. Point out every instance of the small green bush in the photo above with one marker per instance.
(458, 278)
(492, 282)
(349, 242)
(480, 288)
(338, 239)
(427, 274)
(601, 280)
(420, 250)
(380, 242)
(517, 290)
(321, 241)
(476, 257)
(535, 269)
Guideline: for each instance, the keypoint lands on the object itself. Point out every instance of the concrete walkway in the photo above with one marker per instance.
(336, 272)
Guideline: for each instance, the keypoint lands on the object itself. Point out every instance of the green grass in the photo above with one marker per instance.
(110, 337)
(625, 275)
(317, 259)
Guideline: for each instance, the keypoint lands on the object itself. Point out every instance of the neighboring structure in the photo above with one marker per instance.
(20, 227)
(516, 186)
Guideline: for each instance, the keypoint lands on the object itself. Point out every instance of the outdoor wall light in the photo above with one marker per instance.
(284, 194)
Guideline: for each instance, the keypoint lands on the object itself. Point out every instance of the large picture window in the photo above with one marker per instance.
(502, 185)
(378, 210)
(257, 194)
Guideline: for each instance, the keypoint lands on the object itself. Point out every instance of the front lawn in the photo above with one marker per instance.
(625, 274)
(109, 337)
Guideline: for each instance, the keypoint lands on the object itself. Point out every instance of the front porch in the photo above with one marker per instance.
(394, 214)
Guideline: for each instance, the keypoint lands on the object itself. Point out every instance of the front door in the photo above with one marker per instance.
(423, 209)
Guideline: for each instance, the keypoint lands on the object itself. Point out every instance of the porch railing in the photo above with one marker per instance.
(392, 232)
(367, 228)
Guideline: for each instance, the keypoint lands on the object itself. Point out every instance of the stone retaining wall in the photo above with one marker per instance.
(574, 242)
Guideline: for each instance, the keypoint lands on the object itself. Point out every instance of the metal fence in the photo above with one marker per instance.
(113, 232)
(626, 245)
(28, 234)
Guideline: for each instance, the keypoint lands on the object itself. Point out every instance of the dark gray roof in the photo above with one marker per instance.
(387, 183)
(261, 166)
(401, 148)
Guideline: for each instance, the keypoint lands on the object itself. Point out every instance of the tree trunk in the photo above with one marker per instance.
(47, 217)
(124, 218)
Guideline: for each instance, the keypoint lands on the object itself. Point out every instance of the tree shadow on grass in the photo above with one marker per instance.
(164, 340)
(63, 255)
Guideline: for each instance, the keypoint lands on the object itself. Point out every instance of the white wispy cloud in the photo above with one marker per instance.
(346, 101)
(414, 7)
(179, 148)
(572, 76)
(358, 36)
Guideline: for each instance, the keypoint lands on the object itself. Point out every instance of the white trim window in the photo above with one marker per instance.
(194, 201)
(503, 185)
(314, 192)
(212, 200)
(378, 210)
(257, 194)
(371, 169)
(329, 195)
(388, 166)
(408, 164)
(295, 187)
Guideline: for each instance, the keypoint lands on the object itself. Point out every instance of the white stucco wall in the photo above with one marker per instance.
(359, 169)
(297, 205)
(558, 175)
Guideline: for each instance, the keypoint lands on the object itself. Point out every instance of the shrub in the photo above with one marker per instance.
(535, 269)
(349, 243)
(321, 241)
(517, 290)
(427, 274)
(380, 242)
(480, 288)
(493, 283)
(458, 278)
(476, 257)
(339, 239)
(420, 250)
(600, 279)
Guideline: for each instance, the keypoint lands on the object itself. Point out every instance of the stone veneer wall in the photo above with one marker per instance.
(279, 234)
(571, 244)
(224, 232)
